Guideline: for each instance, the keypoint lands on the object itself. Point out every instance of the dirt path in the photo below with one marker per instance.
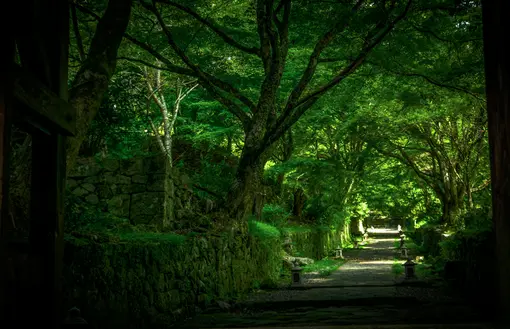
(361, 292)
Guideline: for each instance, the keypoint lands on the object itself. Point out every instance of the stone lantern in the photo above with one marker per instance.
(338, 253)
(409, 269)
(74, 319)
(297, 280)
(404, 252)
(402, 237)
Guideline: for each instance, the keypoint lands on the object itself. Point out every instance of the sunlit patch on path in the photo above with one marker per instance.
(368, 266)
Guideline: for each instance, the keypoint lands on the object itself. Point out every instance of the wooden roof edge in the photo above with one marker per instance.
(58, 113)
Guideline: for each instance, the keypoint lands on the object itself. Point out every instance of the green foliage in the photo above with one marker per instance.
(324, 267)
(216, 177)
(262, 230)
(420, 93)
(121, 127)
(465, 245)
(275, 215)
(293, 228)
(153, 237)
(397, 268)
(478, 220)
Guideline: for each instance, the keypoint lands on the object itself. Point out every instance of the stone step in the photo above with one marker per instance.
(390, 326)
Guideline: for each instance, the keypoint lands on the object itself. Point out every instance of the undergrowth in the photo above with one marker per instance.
(324, 267)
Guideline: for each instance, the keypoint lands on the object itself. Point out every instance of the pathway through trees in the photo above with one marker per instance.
(363, 292)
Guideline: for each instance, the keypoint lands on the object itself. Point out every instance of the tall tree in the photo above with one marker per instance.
(267, 114)
(96, 68)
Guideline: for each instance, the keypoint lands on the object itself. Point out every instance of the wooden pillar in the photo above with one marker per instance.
(6, 57)
(43, 45)
(496, 21)
(46, 232)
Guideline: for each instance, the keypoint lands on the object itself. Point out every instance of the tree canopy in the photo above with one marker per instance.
(326, 110)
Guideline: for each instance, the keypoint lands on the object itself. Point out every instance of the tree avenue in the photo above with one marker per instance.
(339, 68)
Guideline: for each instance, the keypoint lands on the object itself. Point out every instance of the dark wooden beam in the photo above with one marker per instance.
(496, 24)
(53, 112)
(46, 225)
(6, 56)
(41, 93)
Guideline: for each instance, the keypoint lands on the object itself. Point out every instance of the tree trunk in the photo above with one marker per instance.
(299, 203)
(288, 148)
(92, 80)
(451, 214)
(246, 196)
(497, 72)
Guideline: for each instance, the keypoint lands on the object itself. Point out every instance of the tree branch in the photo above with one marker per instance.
(77, 35)
(265, 42)
(202, 76)
(481, 187)
(405, 159)
(323, 42)
(239, 113)
(87, 11)
(214, 194)
(359, 59)
(211, 25)
(169, 68)
(439, 84)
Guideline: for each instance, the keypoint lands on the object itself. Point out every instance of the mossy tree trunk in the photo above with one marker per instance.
(91, 82)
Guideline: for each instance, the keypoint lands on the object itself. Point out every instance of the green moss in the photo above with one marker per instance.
(397, 268)
(325, 266)
(297, 229)
(153, 237)
(76, 241)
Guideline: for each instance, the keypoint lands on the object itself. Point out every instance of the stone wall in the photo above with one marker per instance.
(145, 282)
(474, 252)
(142, 190)
(428, 238)
(318, 243)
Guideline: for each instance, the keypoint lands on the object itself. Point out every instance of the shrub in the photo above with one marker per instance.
(275, 215)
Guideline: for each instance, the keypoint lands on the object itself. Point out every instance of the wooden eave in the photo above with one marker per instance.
(53, 113)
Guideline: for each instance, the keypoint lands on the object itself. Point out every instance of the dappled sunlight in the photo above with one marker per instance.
(382, 230)
(318, 278)
(377, 262)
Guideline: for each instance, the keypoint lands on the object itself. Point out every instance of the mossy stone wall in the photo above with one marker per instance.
(152, 283)
(144, 190)
(318, 243)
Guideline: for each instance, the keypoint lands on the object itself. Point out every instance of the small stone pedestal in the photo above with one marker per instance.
(402, 240)
(74, 319)
(338, 253)
(404, 252)
(297, 280)
(410, 272)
